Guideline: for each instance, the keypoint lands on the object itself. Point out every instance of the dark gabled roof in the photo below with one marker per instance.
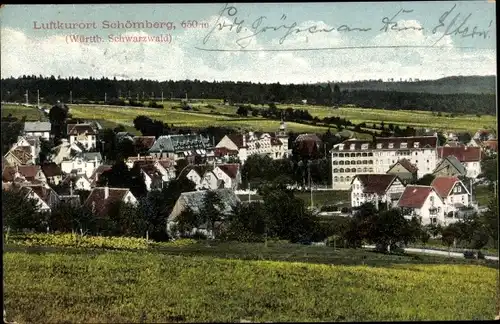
(237, 139)
(51, 170)
(454, 162)
(405, 163)
(98, 171)
(77, 129)
(144, 142)
(462, 153)
(308, 137)
(180, 143)
(195, 199)
(376, 183)
(97, 198)
(384, 142)
(231, 169)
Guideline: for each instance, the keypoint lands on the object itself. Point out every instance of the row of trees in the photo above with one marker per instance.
(86, 90)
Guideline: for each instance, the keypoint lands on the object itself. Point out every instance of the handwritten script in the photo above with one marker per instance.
(450, 23)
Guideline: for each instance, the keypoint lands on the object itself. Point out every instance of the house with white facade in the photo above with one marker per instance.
(454, 194)
(165, 166)
(84, 163)
(376, 189)
(195, 173)
(353, 157)
(37, 129)
(229, 174)
(77, 182)
(85, 134)
(66, 151)
(273, 145)
(470, 157)
(423, 202)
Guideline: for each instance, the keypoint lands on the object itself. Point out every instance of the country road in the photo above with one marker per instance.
(436, 252)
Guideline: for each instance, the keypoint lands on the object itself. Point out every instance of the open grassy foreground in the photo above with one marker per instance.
(227, 282)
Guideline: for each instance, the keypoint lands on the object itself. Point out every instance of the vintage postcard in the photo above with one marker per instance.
(250, 162)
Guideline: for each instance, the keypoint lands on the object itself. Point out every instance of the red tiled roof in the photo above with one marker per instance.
(443, 185)
(462, 153)
(414, 196)
(230, 169)
(144, 142)
(51, 170)
(223, 151)
(376, 183)
(102, 205)
(29, 172)
(77, 129)
(491, 144)
(423, 142)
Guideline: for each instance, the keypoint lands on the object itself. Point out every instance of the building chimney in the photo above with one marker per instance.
(106, 192)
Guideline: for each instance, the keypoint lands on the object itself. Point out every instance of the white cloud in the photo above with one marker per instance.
(180, 60)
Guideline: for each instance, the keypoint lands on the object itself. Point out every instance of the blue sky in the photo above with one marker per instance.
(28, 51)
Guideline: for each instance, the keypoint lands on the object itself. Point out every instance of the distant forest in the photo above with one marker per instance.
(472, 95)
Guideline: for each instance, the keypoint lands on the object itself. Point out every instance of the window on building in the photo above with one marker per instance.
(358, 162)
(379, 145)
(359, 170)
(364, 146)
(341, 179)
(336, 179)
(391, 145)
(459, 189)
(404, 145)
(347, 162)
(370, 161)
(370, 169)
(341, 170)
(353, 146)
(358, 154)
(364, 162)
(347, 178)
(416, 145)
(341, 162)
(433, 220)
(334, 155)
(335, 162)
(353, 154)
(341, 154)
(365, 170)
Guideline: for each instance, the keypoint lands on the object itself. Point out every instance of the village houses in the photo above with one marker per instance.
(454, 194)
(470, 157)
(101, 199)
(353, 157)
(273, 145)
(423, 202)
(37, 129)
(376, 189)
(82, 163)
(85, 134)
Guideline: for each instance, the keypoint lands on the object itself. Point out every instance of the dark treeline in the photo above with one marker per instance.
(447, 85)
(92, 90)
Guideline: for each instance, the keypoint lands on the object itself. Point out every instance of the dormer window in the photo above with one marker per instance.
(416, 145)
(379, 145)
(391, 145)
(404, 145)
(341, 147)
(364, 147)
(353, 146)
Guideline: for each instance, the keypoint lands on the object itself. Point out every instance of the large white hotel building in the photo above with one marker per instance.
(354, 156)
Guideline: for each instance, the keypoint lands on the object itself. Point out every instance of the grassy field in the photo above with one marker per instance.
(228, 282)
(320, 198)
(31, 113)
